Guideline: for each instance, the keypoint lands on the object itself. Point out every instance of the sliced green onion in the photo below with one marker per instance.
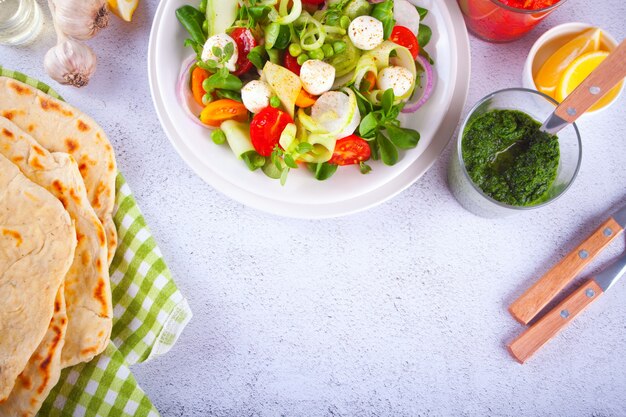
(281, 16)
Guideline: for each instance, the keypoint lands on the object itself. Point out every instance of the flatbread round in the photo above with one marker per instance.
(87, 286)
(42, 370)
(37, 241)
(59, 127)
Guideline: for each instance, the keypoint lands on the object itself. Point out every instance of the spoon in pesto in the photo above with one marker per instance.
(597, 84)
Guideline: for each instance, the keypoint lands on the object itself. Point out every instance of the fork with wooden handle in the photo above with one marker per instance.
(526, 344)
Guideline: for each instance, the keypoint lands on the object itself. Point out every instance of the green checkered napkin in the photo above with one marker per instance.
(149, 314)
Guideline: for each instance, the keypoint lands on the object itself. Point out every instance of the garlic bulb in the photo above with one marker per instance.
(80, 19)
(70, 62)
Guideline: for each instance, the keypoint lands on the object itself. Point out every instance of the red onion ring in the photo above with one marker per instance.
(426, 90)
(184, 95)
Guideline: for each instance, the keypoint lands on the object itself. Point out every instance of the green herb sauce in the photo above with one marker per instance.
(509, 158)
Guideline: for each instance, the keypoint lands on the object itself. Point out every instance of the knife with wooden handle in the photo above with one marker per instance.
(529, 304)
(537, 335)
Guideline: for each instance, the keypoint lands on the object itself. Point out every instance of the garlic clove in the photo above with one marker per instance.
(70, 62)
(81, 19)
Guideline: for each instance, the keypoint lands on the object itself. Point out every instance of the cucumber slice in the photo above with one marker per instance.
(220, 15)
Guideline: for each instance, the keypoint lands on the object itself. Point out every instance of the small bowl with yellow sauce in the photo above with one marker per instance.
(563, 57)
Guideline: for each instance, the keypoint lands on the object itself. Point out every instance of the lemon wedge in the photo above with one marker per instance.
(123, 8)
(550, 73)
(577, 71)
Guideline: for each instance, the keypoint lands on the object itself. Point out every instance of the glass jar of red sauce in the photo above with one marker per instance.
(505, 20)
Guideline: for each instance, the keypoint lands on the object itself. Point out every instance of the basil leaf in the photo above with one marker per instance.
(304, 147)
(232, 95)
(289, 161)
(368, 125)
(258, 13)
(258, 56)
(375, 149)
(403, 138)
(323, 171)
(229, 50)
(253, 160)
(197, 48)
(384, 12)
(387, 101)
(284, 37)
(425, 54)
(191, 19)
(270, 169)
(423, 35)
(388, 152)
(423, 12)
(365, 107)
(283, 176)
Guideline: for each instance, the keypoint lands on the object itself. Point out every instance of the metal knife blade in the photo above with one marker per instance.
(553, 124)
(609, 277)
(620, 217)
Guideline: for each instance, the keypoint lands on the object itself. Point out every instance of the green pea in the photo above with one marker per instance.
(274, 101)
(344, 22)
(202, 6)
(328, 50)
(302, 58)
(295, 49)
(316, 54)
(207, 98)
(339, 46)
(205, 26)
(218, 136)
(207, 85)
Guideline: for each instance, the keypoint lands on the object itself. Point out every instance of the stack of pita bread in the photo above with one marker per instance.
(57, 239)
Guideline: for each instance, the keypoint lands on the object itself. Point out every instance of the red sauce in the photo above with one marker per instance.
(490, 20)
(529, 4)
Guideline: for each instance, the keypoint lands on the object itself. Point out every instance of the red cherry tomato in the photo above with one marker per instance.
(245, 42)
(266, 127)
(404, 37)
(291, 63)
(313, 2)
(351, 150)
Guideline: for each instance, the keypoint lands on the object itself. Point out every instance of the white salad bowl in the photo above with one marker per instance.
(348, 191)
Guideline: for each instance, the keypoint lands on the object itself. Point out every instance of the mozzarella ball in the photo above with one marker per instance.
(220, 40)
(256, 95)
(399, 79)
(366, 32)
(331, 112)
(317, 76)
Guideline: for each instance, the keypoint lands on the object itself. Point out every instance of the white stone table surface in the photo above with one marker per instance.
(396, 311)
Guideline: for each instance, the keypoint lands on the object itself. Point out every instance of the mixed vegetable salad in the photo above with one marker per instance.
(315, 82)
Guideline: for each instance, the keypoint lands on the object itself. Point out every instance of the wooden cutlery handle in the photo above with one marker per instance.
(606, 76)
(529, 304)
(552, 323)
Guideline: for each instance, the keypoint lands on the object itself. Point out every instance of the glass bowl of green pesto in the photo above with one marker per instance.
(504, 163)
